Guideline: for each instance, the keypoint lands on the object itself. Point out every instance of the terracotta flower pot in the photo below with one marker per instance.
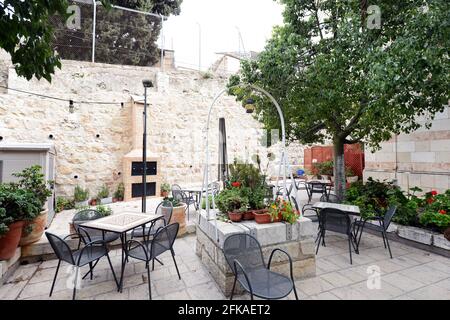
(235, 216)
(263, 218)
(10, 241)
(248, 215)
(179, 215)
(38, 227)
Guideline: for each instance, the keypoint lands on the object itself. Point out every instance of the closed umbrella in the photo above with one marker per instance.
(222, 172)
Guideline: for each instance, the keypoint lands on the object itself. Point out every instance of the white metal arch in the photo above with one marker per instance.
(284, 162)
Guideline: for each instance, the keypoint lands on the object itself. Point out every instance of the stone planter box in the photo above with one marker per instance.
(297, 240)
(440, 242)
(415, 234)
(106, 200)
(423, 236)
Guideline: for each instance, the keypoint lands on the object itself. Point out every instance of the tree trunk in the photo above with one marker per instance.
(339, 168)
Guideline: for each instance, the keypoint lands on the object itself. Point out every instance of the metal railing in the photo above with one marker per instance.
(118, 36)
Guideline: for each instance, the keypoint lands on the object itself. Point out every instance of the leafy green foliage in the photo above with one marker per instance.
(104, 210)
(174, 201)
(374, 197)
(27, 33)
(103, 192)
(17, 204)
(338, 80)
(231, 200)
(165, 187)
(80, 194)
(120, 191)
(285, 209)
(32, 180)
(436, 210)
(64, 204)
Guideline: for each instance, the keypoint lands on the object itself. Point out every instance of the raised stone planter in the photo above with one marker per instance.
(415, 234)
(440, 242)
(296, 239)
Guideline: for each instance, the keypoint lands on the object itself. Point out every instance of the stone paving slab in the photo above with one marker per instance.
(411, 274)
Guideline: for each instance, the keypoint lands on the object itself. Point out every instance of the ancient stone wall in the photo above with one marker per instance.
(91, 141)
(422, 158)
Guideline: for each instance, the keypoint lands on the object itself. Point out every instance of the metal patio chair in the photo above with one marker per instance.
(180, 195)
(90, 253)
(336, 221)
(91, 235)
(165, 208)
(384, 223)
(149, 250)
(244, 256)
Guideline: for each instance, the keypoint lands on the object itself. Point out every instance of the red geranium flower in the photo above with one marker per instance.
(430, 200)
(442, 212)
(434, 192)
(236, 184)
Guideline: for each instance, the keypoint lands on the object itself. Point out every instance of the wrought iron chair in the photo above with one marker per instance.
(91, 235)
(384, 223)
(316, 187)
(331, 198)
(149, 250)
(89, 254)
(165, 209)
(180, 195)
(244, 256)
(337, 221)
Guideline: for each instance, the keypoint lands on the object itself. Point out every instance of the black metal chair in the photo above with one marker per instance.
(89, 254)
(165, 208)
(149, 250)
(331, 198)
(91, 235)
(244, 256)
(384, 223)
(280, 190)
(316, 187)
(180, 195)
(294, 201)
(336, 221)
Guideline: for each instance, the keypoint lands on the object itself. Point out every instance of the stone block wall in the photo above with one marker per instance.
(422, 158)
(92, 141)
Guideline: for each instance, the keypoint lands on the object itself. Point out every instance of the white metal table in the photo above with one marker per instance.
(121, 223)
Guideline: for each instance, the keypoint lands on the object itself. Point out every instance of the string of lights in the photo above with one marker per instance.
(70, 101)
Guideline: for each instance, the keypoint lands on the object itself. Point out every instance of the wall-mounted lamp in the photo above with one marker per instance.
(71, 107)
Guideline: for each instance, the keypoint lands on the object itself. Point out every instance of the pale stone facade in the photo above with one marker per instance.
(422, 158)
(92, 141)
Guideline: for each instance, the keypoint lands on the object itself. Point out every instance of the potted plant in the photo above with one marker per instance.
(230, 201)
(103, 195)
(16, 207)
(32, 180)
(178, 213)
(165, 189)
(350, 175)
(63, 203)
(119, 193)
(80, 196)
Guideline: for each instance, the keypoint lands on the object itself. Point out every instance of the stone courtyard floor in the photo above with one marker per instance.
(412, 274)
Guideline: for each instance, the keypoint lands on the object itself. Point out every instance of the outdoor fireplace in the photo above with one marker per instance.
(133, 165)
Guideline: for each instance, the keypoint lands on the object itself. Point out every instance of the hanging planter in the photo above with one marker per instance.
(249, 105)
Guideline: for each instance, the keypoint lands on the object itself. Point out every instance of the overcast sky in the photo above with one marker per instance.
(218, 20)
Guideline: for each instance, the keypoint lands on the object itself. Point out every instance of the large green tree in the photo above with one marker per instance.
(348, 72)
